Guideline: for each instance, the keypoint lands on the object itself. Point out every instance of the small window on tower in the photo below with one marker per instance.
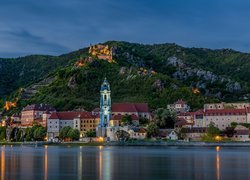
(105, 97)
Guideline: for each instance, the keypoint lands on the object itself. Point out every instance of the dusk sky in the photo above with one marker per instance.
(60, 26)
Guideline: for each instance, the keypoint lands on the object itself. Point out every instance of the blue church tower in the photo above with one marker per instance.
(105, 104)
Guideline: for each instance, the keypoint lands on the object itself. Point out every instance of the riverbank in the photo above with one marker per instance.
(135, 143)
(181, 144)
(44, 143)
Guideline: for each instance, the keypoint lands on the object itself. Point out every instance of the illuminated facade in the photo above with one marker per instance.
(105, 104)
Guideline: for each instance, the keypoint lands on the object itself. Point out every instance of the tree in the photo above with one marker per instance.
(143, 121)
(39, 133)
(73, 134)
(90, 133)
(152, 130)
(2, 133)
(126, 120)
(29, 135)
(122, 135)
(234, 124)
(165, 118)
(212, 131)
(63, 132)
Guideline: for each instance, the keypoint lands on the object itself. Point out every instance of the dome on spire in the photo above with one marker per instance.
(105, 85)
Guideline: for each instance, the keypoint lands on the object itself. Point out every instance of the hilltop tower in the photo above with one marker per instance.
(105, 108)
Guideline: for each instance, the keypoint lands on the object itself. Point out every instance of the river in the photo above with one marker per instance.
(156, 163)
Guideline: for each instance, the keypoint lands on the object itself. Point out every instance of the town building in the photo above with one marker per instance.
(137, 133)
(83, 121)
(222, 118)
(241, 133)
(141, 110)
(180, 106)
(105, 109)
(35, 113)
(194, 134)
(168, 134)
(116, 120)
(16, 118)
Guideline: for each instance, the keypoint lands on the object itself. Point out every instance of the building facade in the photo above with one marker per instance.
(141, 110)
(34, 113)
(105, 104)
(83, 121)
(222, 118)
(180, 106)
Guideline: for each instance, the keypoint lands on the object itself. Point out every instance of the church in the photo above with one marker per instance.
(111, 114)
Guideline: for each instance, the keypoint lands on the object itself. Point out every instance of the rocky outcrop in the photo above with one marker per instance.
(72, 82)
(204, 77)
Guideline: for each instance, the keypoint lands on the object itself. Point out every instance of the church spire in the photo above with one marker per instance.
(105, 104)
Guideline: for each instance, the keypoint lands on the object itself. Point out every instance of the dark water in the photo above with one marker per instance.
(117, 163)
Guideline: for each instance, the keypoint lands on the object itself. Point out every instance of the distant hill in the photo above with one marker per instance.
(158, 74)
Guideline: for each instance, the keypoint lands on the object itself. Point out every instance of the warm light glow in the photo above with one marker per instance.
(195, 90)
(100, 163)
(100, 139)
(2, 163)
(217, 148)
(100, 147)
(9, 105)
(46, 163)
(217, 138)
(46, 138)
(218, 164)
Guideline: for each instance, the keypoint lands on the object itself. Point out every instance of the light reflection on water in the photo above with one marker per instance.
(55, 162)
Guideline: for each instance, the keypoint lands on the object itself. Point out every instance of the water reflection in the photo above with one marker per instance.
(46, 163)
(100, 162)
(123, 163)
(2, 162)
(218, 165)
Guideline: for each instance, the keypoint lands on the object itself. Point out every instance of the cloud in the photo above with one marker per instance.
(59, 26)
(24, 43)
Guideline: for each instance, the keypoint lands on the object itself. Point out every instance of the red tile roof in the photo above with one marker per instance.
(70, 115)
(130, 107)
(217, 112)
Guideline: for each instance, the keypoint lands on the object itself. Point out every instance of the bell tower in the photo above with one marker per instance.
(105, 104)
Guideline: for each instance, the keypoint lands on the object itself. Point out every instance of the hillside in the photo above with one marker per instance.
(157, 74)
